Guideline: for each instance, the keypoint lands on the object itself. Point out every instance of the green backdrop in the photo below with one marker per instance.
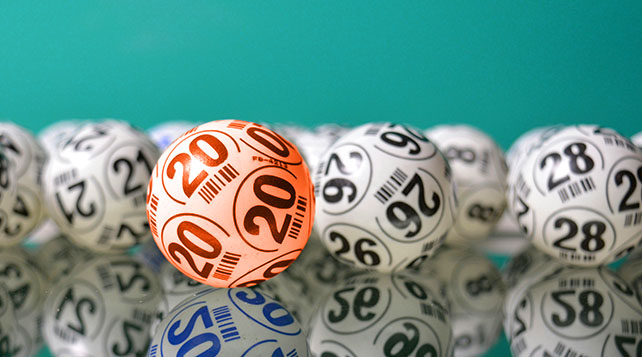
(503, 66)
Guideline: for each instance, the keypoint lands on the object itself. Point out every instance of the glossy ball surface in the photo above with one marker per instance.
(94, 186)
(230, 203)
(384, 197)
(578, 195)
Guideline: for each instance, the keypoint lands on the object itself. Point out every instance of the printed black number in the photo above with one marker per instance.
(482, 213)
(410, 215)
(202, 234)
(69, 298)
(126, 285)
(592, 231)
(128, 329)
(408, 139)
(272, 141)
(621, 343)
(367, 257)
(400, 344)
(4, 172)
(87, 211)
(83, 143)
(354, 155)
(590, 302)
(365, 298)
(481, 285)
(579, 163)
(466, 155)
(270, 199)
(625, 205)
(129, 167)
(518, 319)
(137, 235)
(522, 213)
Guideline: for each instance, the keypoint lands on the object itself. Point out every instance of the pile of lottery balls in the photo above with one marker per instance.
(231, 238)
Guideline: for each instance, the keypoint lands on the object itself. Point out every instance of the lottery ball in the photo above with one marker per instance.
(637, 139)
(576, 312)
(476, 292)
(94, 186)
(527, 142)
(385, 197)
(577, 197)
(103, 308)
(164, 134)
(230, 203)
(9, 345)
(479, 172)
(27, 287)
(382, 314)
(28, 157)
(51, 136)
(229, 322)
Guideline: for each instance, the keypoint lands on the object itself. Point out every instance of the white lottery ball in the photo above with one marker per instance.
(95, 186)
(476, 293)
(576, 312)
(637, 139)
(378, 314)
(105, 307)
(479, 172)
(229, 322)
(27, 157)
(384, 197)
(10, 345)
(164, 134)
(27, 287)
(578, 196)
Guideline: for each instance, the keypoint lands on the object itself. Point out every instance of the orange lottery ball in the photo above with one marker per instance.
(230, 203)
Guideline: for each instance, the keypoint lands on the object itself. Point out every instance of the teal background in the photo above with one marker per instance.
(503, 66)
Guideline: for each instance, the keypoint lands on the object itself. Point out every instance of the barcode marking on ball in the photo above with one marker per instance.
(633, 327)
(563, 350)
(428, 246)
(225, 323)
(293, 353)
(153, 204)
(105, 235)
(237, 124)
(576, 256)
(615, 141)
(577, 283)
(429, 310)
(633, 219)
(226, 268)
(390, 187)
(65, 177)
(191, 130)
(575, 189)
(297, 224)
(374, 129)
(210, 189)
(518, 347)
(153, 350)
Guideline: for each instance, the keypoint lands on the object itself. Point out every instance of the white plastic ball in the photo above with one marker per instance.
(51, 136)
(384, 197)
(476, 293)
(479, 172)
(95, 186)
(527, 142)
(164, 134)
(8, 192)
(229, 322)
(105, 308)
(27, 287)
(578, 196)
(576, 312)
(378, 314)
(28, 157)
(58, 257)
